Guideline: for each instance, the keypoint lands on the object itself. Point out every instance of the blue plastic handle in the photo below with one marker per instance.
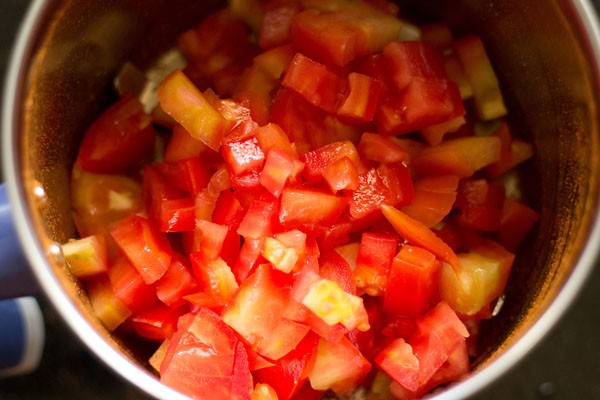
(16, 277)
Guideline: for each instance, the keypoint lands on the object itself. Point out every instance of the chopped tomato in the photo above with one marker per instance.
(413, 282)
(341, 36)
(221, 373)
(339, 366)
(277, 234)
(119, 141)
(147, 249)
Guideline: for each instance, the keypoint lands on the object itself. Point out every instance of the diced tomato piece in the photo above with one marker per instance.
(342, 174)
(177, 282)
(335, 268)
(190, 175)
(375, 256)
(183, 101)
(87, 256)
(491, 263)
(271, 136)
(480, 203)
(256, 314)
(399, 362)
(228, 210)
(340, 36)
(433, 199)
(461, 157)
(322, 90)
(367, 199)
(156, 190)
(177, 215)
(242, 156)
(282, 258)
(290, 372)
(307, 207)
(182, 145)
(109, 309)
(210, 238)
(438, 335)
(361, 102)
(220, 40)
(129, 287)
(408, 60)
(216, 276)
(148, 250)
(513, 152)
(489, 102)
(339, 366)
(379, 148)
(100, 201)
(156, 323)
(317, 161)
(221, 373)
(421, 104)
(418, 234)
(333, 305)
(120, 140)
(277, 22)
(413, 282)
(516, 222)
(249, 257)
(397, 179)
(259, 219)
(279, 168)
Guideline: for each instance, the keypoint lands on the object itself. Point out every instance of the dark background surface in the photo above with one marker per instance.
(566, 365)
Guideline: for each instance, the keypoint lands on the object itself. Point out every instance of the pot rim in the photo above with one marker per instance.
(37, 255)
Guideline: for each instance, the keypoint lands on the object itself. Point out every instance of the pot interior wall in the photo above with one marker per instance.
(541, 65)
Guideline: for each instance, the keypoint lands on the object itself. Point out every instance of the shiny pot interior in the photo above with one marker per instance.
(545, 56)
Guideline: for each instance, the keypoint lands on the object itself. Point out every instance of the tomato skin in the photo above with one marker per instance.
(148, 249)
(119, 141)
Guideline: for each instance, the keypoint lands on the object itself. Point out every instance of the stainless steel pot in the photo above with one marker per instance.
(546, 53)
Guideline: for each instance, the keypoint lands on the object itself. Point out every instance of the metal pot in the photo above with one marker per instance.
(546, 54)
